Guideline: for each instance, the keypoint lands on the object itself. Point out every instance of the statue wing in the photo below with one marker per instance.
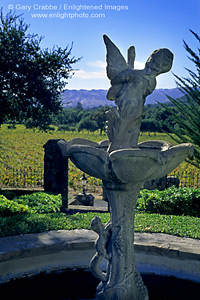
(115, 60)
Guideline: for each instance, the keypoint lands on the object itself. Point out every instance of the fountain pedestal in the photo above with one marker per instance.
(122, 279)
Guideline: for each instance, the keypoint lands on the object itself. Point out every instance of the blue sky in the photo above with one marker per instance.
(146, 24)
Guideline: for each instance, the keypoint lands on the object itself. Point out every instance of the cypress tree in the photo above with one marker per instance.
(188, 107)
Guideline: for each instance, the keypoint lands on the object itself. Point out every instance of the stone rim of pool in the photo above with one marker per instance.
(156, 253)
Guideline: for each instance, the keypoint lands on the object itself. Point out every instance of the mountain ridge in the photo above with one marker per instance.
(97, 97)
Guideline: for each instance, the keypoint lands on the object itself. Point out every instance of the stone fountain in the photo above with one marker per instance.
(124, 166)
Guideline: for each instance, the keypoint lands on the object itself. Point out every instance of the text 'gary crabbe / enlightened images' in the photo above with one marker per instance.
(70, 11)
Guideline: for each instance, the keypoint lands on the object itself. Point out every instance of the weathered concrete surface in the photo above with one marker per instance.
(155, 253)
(41, 243)
(164, 244)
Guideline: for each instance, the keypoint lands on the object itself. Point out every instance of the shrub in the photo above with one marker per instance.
(172, 201)
(63, 128)
(10, 208)
(8, 194)
(40, 202)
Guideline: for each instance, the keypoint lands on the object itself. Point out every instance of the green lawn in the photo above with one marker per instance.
(40, 212)
(182, 226)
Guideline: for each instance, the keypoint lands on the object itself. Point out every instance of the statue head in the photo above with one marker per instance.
(160, 61)
(96, 224)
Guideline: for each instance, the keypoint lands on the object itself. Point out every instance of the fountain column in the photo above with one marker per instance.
(123, 280)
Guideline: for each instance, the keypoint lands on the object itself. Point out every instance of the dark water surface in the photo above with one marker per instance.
(81, 285)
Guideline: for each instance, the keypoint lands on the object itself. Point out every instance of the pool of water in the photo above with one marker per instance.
(81, 285)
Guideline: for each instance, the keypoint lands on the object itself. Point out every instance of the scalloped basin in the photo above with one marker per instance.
(143, 164)
(149, 160)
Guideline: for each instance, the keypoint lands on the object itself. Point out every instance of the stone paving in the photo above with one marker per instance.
(32, 244)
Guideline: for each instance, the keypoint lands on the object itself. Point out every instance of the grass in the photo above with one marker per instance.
(40, 212)
(182, 226)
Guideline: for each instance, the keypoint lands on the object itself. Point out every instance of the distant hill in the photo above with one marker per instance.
(95, 98)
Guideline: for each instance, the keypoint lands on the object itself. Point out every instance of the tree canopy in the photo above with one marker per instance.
(188, 107)
(31, 78)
